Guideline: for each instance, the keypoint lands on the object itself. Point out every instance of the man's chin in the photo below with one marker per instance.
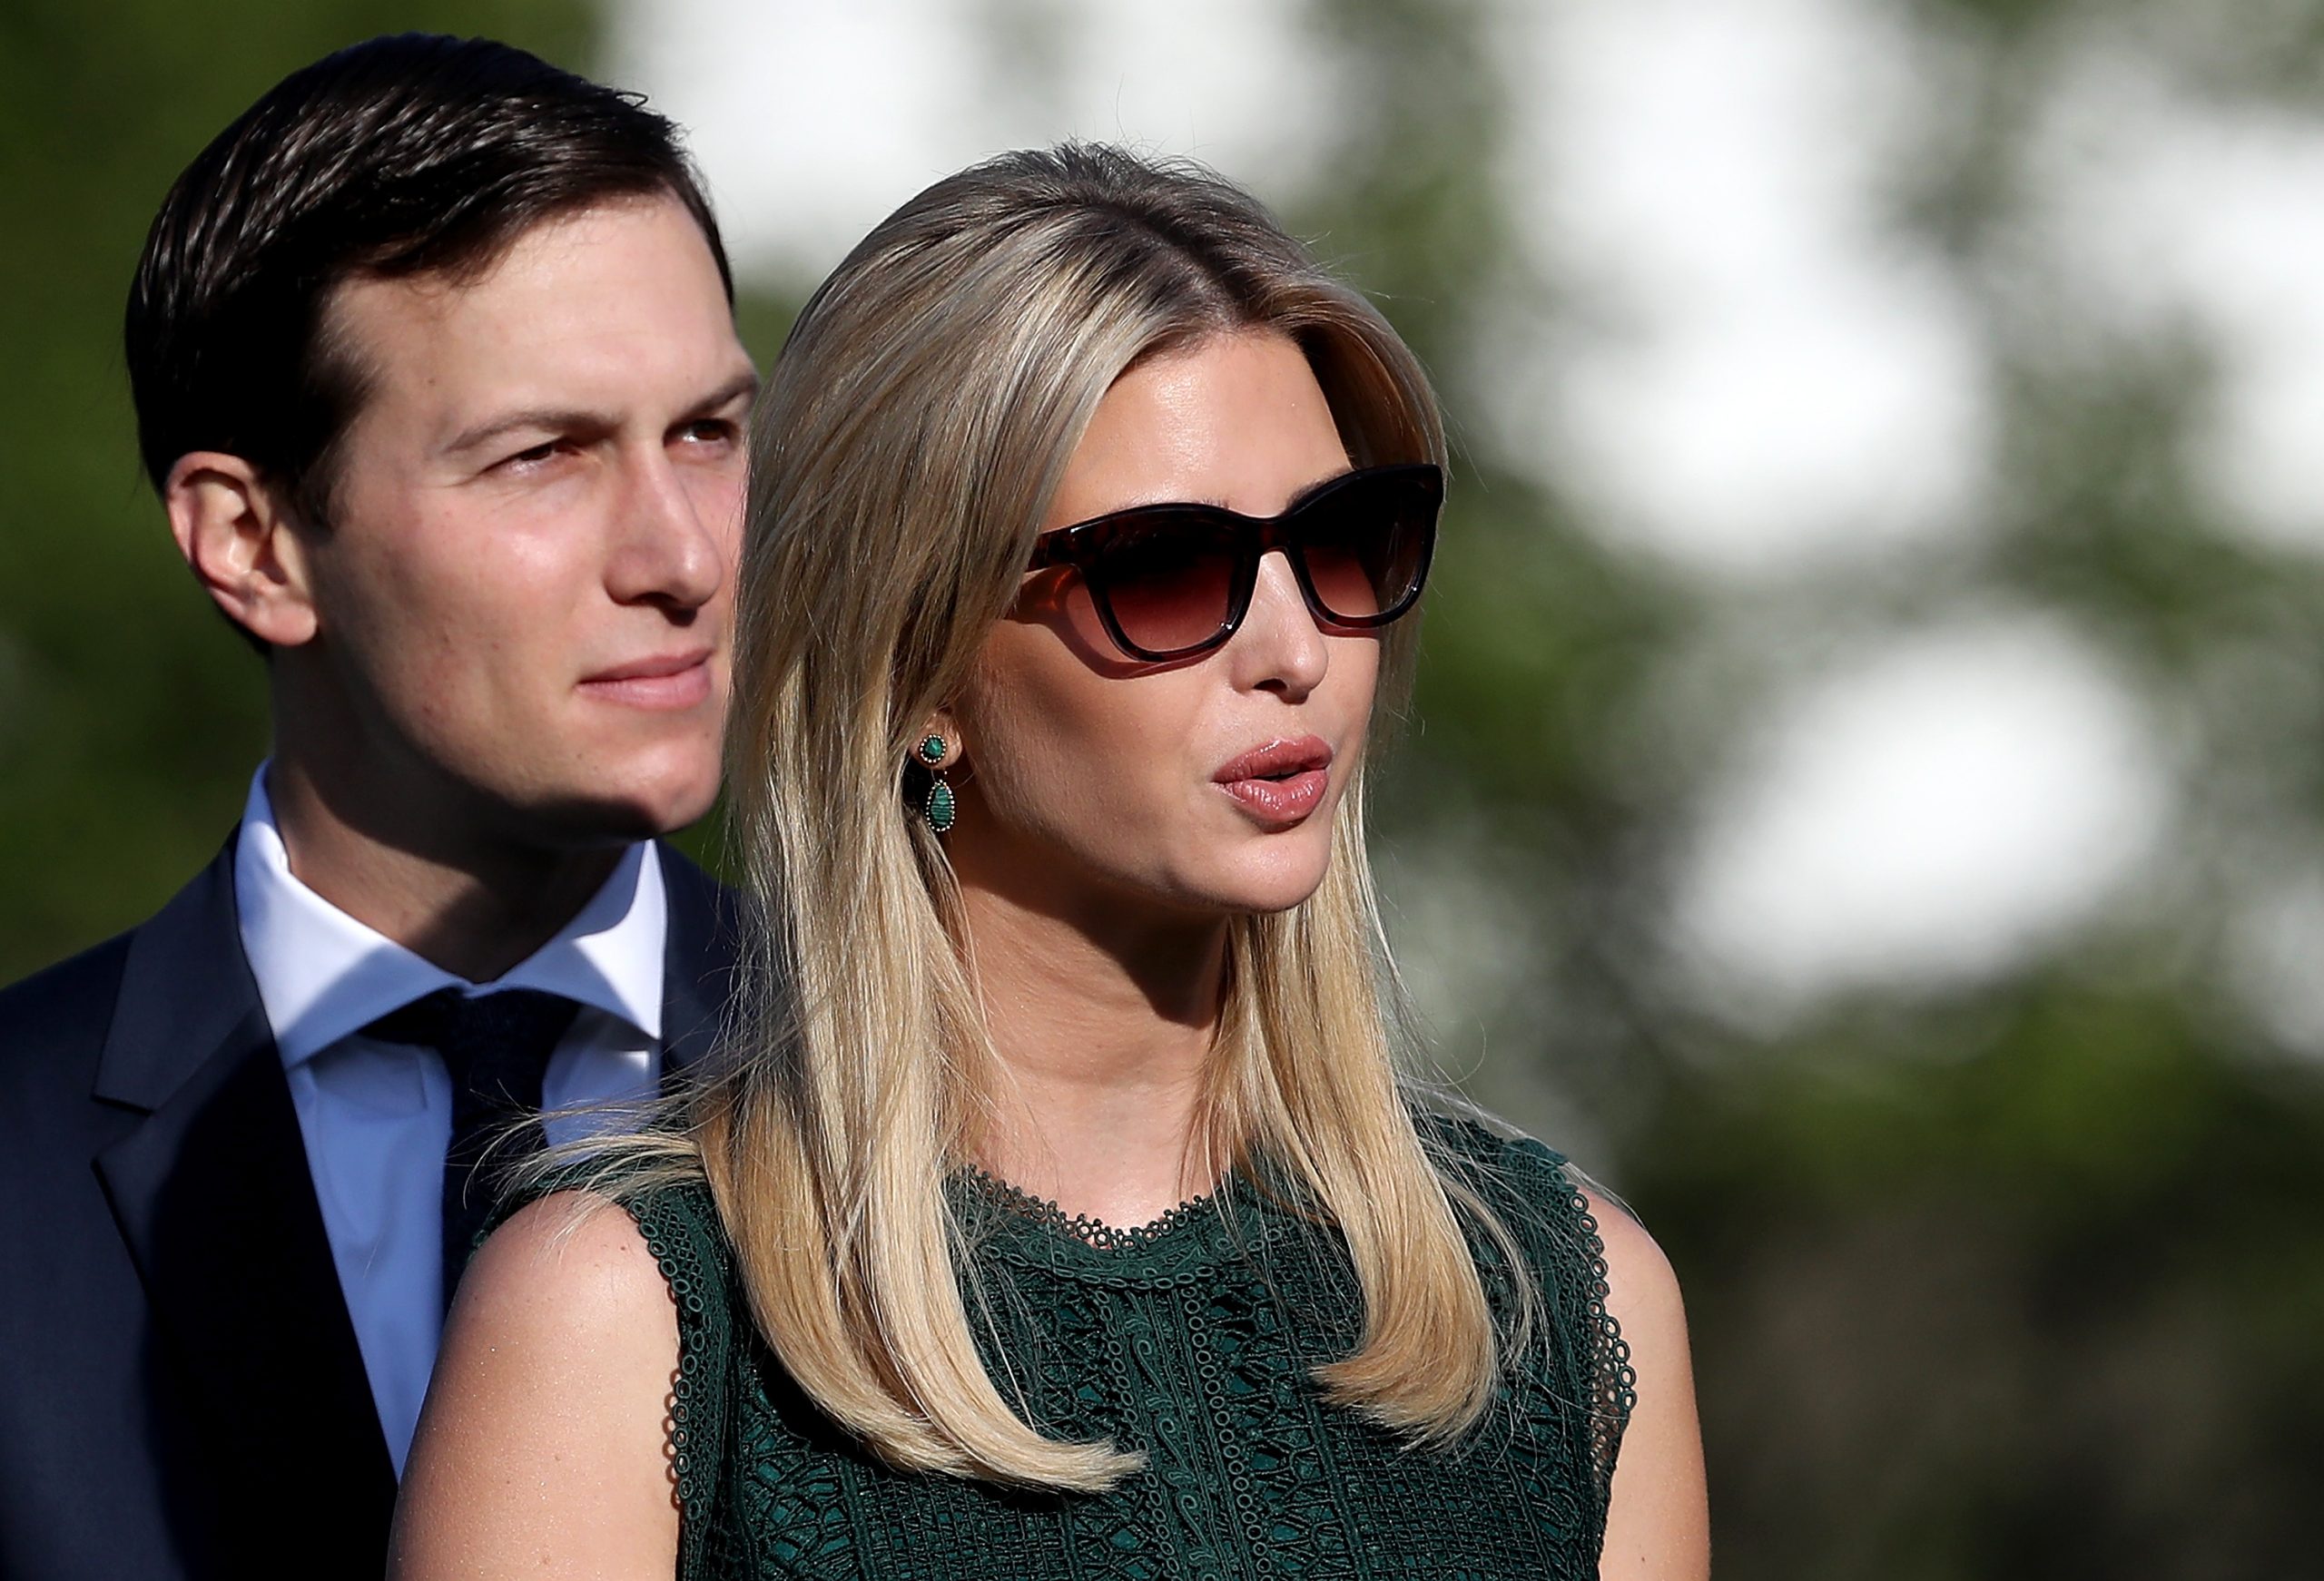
(590, 815)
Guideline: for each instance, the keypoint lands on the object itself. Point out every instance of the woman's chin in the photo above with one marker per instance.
(1268, 888)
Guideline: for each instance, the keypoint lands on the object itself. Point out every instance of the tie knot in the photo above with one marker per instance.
(496, 1048)
(511, 1031)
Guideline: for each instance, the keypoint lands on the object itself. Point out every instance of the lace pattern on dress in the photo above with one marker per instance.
(694, 1265)
(1091, 1233)
(1192, 1341)
(1615, 1394)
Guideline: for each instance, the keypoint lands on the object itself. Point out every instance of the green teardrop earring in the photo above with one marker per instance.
(941, 808)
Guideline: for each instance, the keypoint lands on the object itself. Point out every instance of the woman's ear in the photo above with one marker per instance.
(238, 537)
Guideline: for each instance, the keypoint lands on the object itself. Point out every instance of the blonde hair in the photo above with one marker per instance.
(907, 446)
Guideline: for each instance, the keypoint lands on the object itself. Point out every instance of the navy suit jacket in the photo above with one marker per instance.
(181, 1393)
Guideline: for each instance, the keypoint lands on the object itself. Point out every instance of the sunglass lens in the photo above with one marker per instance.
(1367, 547)
(1168, 580)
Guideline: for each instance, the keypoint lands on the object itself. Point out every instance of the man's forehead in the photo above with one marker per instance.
(544, 262)
(621, 295)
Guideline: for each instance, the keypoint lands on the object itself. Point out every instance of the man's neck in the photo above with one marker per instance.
(473, 906)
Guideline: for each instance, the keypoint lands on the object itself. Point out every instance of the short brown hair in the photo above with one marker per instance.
(405, 155)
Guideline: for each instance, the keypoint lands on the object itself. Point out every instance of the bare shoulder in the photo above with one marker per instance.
(573, 1263)
(1641, 1287)
(542, 1446)
(1657, 1523)
(564, 1310)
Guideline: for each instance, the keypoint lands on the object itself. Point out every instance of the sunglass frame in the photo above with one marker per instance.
(1081, 547)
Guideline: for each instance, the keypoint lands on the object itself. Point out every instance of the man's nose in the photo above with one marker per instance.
(668, 549)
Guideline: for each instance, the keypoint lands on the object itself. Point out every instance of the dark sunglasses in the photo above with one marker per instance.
(1171, 580)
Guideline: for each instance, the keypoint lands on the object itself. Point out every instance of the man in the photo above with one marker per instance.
(436, 374)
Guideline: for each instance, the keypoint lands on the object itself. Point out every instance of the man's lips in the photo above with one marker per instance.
(664, 681)
(1281, 782)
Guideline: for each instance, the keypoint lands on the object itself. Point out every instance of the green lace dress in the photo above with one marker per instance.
(1192, 1341)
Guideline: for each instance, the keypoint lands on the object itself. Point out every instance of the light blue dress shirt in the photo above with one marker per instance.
(377, 1117)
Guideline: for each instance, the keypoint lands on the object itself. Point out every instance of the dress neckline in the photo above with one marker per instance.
(1005, 1220)
(1092, 1233)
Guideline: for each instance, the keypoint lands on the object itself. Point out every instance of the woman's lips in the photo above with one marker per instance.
(669, 682)
(1280, 783)
(1284, 801)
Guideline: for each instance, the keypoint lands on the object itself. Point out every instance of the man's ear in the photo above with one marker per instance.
(239, 538)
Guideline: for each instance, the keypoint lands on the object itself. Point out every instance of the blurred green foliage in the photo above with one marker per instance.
(2025, 1277)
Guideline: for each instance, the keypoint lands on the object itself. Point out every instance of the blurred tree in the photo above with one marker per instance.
(2019, 1278)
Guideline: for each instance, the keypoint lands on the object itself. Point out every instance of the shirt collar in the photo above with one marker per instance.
(321, 974)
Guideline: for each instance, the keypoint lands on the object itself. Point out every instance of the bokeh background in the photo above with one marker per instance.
(1866, 795)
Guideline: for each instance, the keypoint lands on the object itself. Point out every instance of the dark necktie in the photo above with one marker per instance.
(495, 1047)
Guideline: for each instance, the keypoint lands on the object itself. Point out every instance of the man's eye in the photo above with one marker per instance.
(532, 457)
(710, 431)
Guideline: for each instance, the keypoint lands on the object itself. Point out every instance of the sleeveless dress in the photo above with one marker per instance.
(1192, 1341)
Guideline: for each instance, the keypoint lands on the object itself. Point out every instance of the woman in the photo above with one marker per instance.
(1085, 512)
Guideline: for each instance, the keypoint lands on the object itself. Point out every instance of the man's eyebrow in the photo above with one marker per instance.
(568, 419)
(743, 385)
(553, 420)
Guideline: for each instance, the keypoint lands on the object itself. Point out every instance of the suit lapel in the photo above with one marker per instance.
(215, 1200)
(699, 962)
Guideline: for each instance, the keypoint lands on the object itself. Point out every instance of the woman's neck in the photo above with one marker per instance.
(1103, 1024)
